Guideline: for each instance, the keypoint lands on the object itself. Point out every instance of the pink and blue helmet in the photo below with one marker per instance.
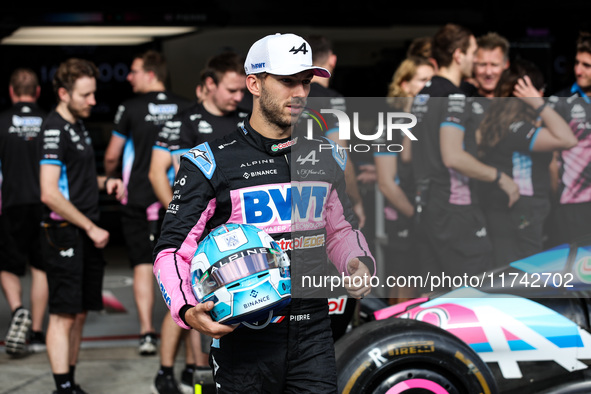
(243, 271)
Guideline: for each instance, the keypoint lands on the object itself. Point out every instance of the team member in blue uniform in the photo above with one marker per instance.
(245, 177)
(137, 122)
(215, 114)
(512, 139)
(574, 165)
(21, 212)
(452, 231)
(72, 240)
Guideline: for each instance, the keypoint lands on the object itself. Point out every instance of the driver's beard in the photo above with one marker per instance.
(272, 111)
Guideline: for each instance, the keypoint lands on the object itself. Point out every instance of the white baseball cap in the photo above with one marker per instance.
(281, 54)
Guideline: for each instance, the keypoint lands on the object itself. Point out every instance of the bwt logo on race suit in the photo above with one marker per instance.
(276, 205)
(388, 122)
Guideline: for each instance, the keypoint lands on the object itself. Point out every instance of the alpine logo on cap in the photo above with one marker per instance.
(302, 48)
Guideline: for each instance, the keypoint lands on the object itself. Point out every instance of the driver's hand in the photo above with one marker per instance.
(198, 317)
(357, 284)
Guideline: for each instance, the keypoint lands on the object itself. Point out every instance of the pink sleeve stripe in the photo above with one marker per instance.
(344, 243)
(172, 268)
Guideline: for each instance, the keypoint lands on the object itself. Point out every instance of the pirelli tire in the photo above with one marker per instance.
(406, 356)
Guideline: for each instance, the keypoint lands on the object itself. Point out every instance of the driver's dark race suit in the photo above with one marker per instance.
(244, 177)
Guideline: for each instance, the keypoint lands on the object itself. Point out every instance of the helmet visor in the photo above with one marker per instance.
(225, 272)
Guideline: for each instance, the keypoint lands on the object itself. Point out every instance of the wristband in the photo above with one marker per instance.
(539, 110)
(107, 180)
(498, 177)
(183, 312)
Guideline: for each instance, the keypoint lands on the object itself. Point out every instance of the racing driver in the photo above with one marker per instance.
(294, 189)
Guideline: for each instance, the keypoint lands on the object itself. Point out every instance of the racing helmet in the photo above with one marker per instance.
(243, 271)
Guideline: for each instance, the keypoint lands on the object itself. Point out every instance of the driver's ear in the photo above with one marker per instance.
(253, 84)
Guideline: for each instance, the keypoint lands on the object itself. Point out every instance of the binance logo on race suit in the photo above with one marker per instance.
(277, 206)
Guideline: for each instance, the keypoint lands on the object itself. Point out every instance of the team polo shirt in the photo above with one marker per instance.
(69, 146)
(404, 175)
(466, 117)
(19, 153)
(575, 163)
(194, 126)
(513, 155)
(441, 103)
(138, 121)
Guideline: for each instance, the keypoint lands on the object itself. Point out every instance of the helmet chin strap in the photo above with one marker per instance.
(259, 327)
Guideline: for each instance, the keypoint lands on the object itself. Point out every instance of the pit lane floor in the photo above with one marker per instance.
(109, 360)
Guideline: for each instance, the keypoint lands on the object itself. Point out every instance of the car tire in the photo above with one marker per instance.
(396, 356)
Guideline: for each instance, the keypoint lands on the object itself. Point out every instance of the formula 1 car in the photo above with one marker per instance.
(527, 335)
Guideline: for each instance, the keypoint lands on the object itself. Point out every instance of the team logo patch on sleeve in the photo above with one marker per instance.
(339, 154)
(202, 157)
